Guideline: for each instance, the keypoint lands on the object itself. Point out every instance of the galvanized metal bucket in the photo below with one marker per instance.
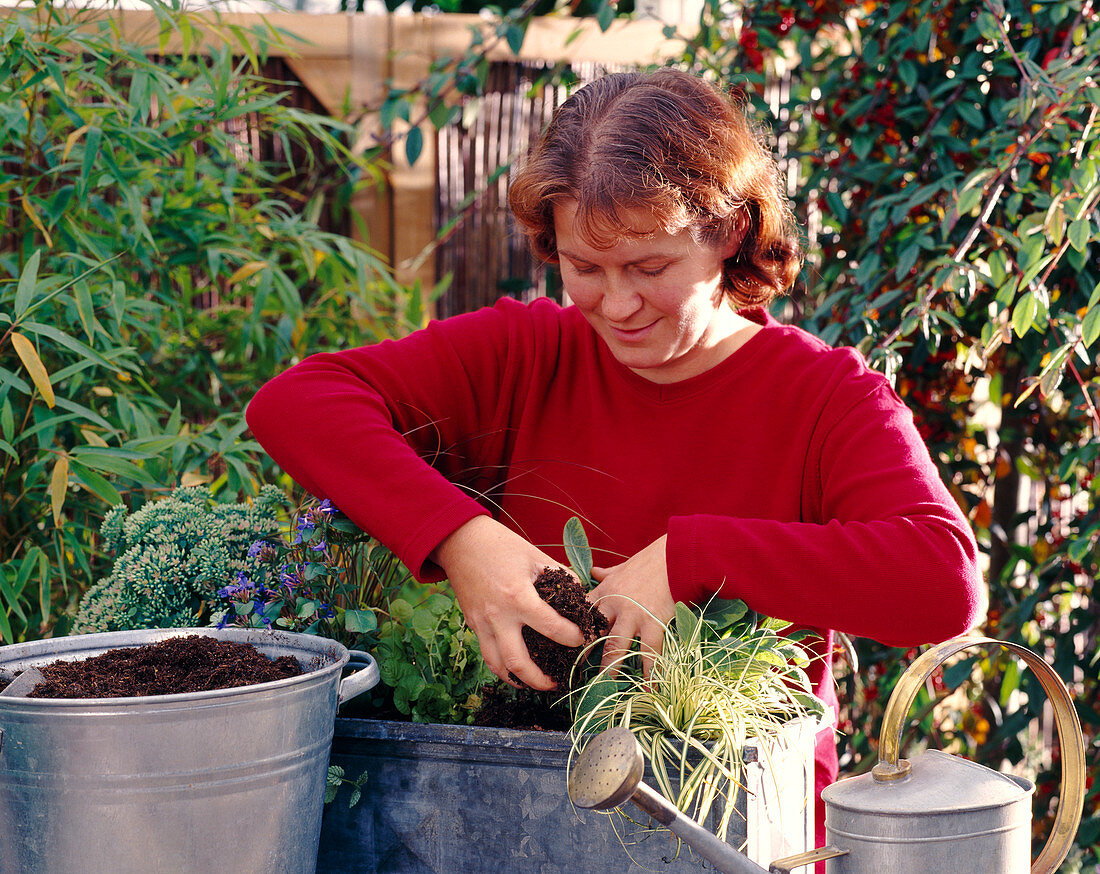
(229, 780)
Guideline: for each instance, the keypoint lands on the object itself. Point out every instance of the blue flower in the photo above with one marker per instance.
(328, 507)
(304, 526)
(262, 550)
(290, 577)
(243, 586)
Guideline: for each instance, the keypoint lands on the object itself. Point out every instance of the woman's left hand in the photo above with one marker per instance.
(635, 597)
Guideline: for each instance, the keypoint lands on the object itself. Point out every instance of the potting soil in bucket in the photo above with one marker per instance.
(229, 780)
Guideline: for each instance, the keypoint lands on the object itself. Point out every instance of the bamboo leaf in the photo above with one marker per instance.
(69, 342)
(27, 283)
(44, 594)
(24, 348)
(5, 626)
(32, 214)
(99, 461)
(11, 596)
(59, 485)
(91, 153)
(85, 310)
(71, 139)
(246, 270)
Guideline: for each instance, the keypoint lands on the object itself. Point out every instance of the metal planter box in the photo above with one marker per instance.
(447, 799)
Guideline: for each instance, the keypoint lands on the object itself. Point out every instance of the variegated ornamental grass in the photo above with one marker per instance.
(725, 675)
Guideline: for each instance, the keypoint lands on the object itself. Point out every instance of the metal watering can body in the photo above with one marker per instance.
(939, 813)
(947, 814)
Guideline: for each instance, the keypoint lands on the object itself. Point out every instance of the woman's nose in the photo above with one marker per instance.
(619, 301)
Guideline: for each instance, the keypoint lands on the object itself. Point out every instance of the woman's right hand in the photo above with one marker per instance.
(492, 572)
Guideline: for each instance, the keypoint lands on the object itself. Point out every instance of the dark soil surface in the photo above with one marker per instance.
(505, 707)
(194, 663)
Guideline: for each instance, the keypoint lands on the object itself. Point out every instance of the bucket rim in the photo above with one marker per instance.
(336, 656)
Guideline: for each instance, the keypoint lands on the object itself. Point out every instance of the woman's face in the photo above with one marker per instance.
(656, 300)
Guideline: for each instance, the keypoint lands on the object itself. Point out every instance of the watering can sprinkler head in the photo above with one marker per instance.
(608, 771)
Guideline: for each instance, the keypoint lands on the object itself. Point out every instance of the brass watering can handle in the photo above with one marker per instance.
(1072, 795)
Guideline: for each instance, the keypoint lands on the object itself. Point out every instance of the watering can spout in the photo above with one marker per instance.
(608, 772)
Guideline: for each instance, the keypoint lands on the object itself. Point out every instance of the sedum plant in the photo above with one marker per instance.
(170, 557)
(725, 675)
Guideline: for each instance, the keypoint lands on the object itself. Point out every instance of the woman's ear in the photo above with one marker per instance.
(739, 229)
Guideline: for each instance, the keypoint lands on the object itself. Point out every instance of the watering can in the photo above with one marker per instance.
(932, 814)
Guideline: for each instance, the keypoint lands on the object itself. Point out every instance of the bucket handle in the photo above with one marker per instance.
(361, 680)
(1072, 795)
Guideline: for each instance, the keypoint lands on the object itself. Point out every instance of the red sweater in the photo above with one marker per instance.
(789, 475)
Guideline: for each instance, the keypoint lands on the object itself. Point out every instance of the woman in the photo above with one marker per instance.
(707, 448)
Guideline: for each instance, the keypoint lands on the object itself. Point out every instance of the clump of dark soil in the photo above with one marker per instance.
(564, 592)
(505, 707)
(192, 663)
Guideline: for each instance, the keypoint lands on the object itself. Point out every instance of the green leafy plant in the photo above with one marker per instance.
(429, 657)
(725, 675)
(335, 780)
(154, 269)
(172, 554)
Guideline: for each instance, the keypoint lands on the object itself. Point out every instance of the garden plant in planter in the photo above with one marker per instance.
(442, 798)
(167, 782)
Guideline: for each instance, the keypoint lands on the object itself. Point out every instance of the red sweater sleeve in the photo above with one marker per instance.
(880, 550)
(384, 431)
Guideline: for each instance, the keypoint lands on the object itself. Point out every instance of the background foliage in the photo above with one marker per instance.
(153, 270)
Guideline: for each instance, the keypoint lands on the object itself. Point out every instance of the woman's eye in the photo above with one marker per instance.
(584, 271)
(653, 271)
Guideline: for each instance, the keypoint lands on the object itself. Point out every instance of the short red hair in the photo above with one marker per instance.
(673, 144)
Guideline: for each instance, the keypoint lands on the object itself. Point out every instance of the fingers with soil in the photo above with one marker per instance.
(491, 570)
